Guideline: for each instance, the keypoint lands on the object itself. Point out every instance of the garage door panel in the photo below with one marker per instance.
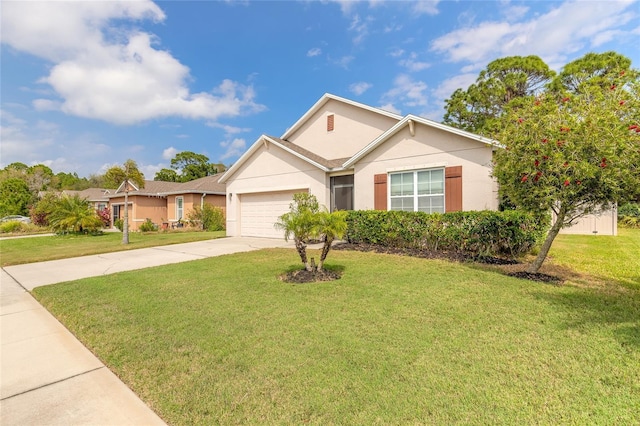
(259, 211)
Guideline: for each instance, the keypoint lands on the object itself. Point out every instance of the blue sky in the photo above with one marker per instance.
(85, 85)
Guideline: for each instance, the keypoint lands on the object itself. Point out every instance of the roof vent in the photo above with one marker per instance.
(330, 123)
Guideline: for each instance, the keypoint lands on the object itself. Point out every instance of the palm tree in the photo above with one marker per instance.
(74, 214)
(124, 176)
(300, 222)
(330, 226)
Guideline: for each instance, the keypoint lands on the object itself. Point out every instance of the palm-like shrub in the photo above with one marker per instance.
(329, 226)
(306, 221)
(74, 214)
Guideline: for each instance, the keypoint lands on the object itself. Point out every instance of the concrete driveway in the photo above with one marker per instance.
(47, 377)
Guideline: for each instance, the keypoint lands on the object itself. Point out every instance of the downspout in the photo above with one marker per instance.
(202, 200)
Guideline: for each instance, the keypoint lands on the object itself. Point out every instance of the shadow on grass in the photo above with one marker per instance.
(617, 309)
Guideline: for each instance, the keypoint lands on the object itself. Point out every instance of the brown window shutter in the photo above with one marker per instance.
(380, 192)
(330, 123)
(453, 189)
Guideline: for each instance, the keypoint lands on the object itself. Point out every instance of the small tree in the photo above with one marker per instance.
(330, 225)
(75, 215)
(572, 153)
(124, 175)
(300, 223)
(306, 221)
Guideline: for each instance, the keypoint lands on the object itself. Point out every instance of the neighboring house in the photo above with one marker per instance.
(98, 197)
(355, 157)
(166, 203)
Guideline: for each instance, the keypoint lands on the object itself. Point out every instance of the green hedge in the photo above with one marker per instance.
(478, 233)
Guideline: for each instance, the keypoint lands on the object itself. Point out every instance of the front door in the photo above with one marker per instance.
(341, 193)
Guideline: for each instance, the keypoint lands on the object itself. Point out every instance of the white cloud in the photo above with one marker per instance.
(412, 64)
(105, 72)
(406, 91)
(344, 61)
(359, 88)
(427, 7)
(448, 86)
(169, 153)
(314, 52)
(396, 53)
(360, 27)
(234, 148)
(229, 130)
(554, 36)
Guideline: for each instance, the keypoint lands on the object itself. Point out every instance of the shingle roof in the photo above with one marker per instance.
(329, 164)
(208, 184)
(91, 194)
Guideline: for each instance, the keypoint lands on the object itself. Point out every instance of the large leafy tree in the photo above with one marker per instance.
(574, 149)
(15, 197)
(187, 166)
(479, 108)
(125, 175)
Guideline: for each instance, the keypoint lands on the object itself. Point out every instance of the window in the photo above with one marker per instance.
(179, 207)
(330, 123)
(421, 190)
(342, 193)
(116, 212)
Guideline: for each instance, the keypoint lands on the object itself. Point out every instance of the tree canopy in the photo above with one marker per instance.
(479, 108)
(187, 166)
(573, 148)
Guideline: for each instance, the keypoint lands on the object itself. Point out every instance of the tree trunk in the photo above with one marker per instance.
(301, 247)
(325, 251)
(125, 221)
(546, 246)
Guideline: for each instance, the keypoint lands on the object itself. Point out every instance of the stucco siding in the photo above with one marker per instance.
(144, 208)
(354, 128)
(429, 148)
(270, 169)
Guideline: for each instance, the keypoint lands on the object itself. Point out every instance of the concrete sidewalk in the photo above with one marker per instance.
(47, 377)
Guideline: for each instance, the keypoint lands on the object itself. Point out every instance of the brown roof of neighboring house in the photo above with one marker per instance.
(205, 185)
(91, 194)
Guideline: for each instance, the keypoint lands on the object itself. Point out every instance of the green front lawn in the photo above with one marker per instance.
(397, 340)
(613, 259)
(38, 249)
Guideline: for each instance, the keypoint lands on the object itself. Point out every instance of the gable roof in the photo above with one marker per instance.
(323, 100)
(410, 120)
(205, 185)
(346, 163)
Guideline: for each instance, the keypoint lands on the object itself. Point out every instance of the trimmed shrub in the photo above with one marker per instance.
(486, 233)
(119, 224)
(148, 226)
(629, 215)
(12, 226)
(208, 218)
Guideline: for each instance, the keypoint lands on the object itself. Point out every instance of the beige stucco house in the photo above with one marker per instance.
(166, 203)
(353, 156)
(98, 197)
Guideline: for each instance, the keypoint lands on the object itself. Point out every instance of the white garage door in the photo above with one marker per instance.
(258, 213)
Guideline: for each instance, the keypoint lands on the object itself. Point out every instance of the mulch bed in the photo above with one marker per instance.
(543, 278)
(303, 276)
(454, 256)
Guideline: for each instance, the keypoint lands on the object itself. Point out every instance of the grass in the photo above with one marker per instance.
(607, 258)
(42, 248)
(397, 340)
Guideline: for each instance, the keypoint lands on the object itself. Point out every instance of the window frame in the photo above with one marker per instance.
(179, 208)
(415, 197)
